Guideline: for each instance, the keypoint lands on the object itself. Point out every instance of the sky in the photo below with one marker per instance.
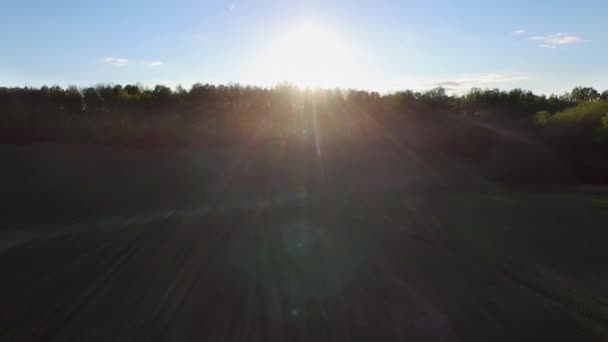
(544, 46)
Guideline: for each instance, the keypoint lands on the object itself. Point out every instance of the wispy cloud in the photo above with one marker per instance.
(557, 39)
(115, 61)
(451, 84)
(120, 62)
(518, 32)
(483, 80)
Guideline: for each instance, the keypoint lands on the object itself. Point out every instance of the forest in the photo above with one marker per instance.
(512, 136)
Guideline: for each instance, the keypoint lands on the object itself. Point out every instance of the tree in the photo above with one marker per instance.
(161, 96)
(132, 89)
(73, 100)
(584, 94)
(604, 95)
(93, 102)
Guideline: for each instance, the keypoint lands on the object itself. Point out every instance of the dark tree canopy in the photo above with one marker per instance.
(583, 94)
(477, 125)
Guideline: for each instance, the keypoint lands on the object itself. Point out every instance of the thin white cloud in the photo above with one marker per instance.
(518, 32)
(115, 61)
(483, 80)
(120, 62)
(557, 39)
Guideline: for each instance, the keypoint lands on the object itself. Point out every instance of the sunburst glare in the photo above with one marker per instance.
(311, 55)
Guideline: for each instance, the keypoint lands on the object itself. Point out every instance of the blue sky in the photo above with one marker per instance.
(544, 46)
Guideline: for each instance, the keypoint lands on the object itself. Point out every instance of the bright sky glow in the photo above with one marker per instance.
(547, 46)
(310, 55)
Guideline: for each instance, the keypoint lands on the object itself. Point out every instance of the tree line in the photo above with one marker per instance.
(527, 136)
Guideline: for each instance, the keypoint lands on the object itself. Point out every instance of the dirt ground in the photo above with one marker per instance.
(103, 243)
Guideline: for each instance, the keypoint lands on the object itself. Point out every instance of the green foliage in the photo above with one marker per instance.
(605, 121)
(542, 118)
(604, 129)
(584, 114)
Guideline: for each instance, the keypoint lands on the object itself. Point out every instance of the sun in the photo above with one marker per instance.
(310, 55)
